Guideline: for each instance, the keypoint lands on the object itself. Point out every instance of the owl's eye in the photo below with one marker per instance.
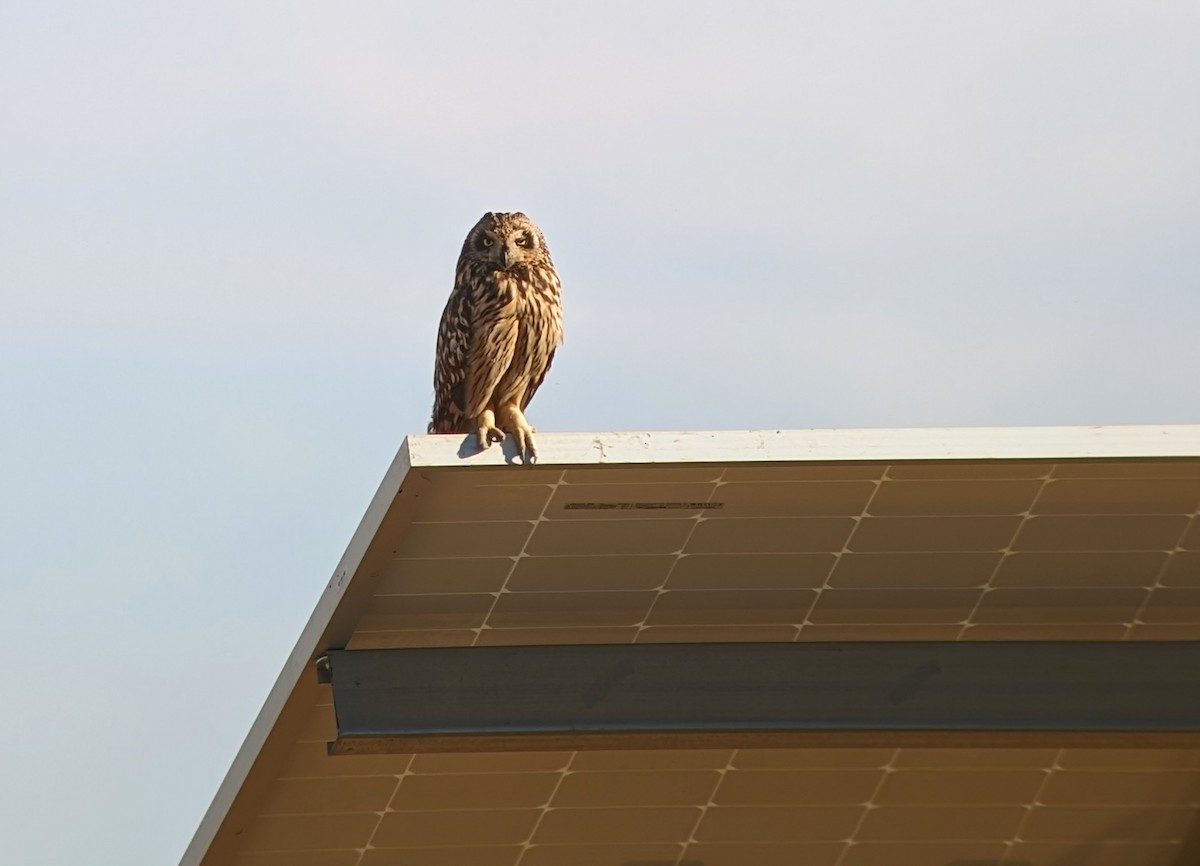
(525, 241)
(486, 242)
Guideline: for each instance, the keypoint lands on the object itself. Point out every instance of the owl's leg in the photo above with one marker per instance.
(486, 429)
(512, 420)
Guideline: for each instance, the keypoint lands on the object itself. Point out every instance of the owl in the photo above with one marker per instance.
(498, 333)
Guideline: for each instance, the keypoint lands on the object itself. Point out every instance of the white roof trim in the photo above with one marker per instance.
(784, 446)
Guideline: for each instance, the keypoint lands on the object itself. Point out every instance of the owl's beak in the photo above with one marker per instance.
(507, 255)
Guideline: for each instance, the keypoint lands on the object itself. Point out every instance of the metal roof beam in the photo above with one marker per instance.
(747, 695)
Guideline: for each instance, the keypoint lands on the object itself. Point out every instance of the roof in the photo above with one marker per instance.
(1004, 534)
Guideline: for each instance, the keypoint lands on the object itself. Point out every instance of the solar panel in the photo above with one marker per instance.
(1059, 534)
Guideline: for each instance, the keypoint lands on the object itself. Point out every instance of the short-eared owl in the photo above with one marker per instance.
(498, 333)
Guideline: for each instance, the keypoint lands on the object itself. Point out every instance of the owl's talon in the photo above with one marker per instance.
(527, 448)
(486, 430)
(510, 418)
(488, 435)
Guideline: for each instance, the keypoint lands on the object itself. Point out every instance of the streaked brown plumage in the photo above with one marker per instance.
(498, 333)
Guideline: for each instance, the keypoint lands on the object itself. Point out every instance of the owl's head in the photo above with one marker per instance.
(506, 241)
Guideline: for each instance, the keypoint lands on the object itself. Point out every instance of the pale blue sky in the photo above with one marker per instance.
(227, 232)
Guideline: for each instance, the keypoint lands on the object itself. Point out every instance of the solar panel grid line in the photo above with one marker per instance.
(851, 841)
(839, 554)
(892, 630)
(642, 629)
(1067, 788)
(1194, 521)
(371, 837)
(496, 596)
(690, 840)
(527, 844)
(1033, 804)
(678, 556)
(1004, 554)
(896, 630)
(1116, 853)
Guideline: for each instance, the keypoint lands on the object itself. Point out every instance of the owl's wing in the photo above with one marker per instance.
(450, 364)
(536, 382)
(547, 329)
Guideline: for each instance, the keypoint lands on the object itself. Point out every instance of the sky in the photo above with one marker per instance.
(227, 231)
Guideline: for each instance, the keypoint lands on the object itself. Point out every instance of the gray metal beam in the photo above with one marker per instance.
(766, 694)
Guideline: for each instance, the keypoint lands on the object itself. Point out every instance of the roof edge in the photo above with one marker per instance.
(325, 627)
(822, 445)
